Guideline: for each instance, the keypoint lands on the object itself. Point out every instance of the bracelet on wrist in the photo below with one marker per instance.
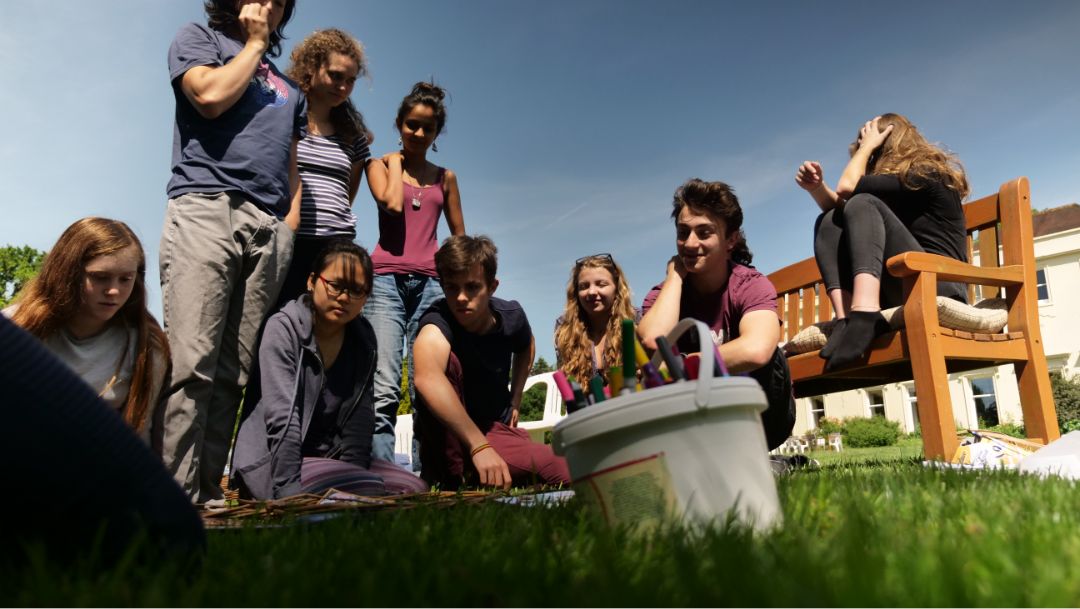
(478, 449)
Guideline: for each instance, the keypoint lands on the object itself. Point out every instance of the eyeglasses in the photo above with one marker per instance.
(606, 257)
(335, 289)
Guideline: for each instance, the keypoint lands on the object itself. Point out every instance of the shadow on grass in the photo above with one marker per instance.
(880, 532)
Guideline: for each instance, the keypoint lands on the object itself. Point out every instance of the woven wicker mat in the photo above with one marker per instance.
(332, 503)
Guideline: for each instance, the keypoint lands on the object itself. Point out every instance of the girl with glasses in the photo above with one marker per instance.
(88, 305)
(411, 193)
(588, 337)
(308, 415)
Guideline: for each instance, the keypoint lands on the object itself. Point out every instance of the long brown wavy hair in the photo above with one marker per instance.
(907, 155)
(573, 348)
(54, 296)
(309, 57)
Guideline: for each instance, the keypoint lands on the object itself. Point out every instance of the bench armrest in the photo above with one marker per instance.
(948, 269)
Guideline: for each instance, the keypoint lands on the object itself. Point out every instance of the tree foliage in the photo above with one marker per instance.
(1066, 401)
(532, 401)
(541, 366)
(17, 266)
(405, 405)
(873, 431)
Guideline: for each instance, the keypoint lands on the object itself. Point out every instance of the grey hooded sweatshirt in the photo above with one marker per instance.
(280, 401)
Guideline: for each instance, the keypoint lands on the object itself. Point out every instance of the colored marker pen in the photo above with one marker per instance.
(596, 387)
(564, 389)
(652, 378)
(615, 380)
(721, 369)
(579, 398)
(671, 359)
(639, 353)
(692, 364)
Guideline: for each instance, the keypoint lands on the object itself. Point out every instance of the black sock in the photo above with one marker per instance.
(861, 329)
(835, 336)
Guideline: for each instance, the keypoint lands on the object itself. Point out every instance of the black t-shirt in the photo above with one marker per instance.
(932, 212)
(339, 384)
(485, 358)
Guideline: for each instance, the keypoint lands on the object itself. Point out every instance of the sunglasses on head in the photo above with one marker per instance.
(583, 259)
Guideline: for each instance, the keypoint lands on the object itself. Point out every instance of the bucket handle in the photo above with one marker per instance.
(705, 371)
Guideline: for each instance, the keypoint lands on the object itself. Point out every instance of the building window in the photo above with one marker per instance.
(817, 410)
(913, 405)
(982, 393)
(875, 401)
(1041, 286)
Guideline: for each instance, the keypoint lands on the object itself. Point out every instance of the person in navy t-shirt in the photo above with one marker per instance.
(234, 205)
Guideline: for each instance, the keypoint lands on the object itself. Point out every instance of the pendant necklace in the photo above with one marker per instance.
(417, 195)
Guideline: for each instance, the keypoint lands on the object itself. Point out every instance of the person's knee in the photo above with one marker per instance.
(826, 218)
(859, 204)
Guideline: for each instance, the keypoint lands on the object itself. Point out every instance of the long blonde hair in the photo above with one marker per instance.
(907, 155)
(572, 345)
(54, 296)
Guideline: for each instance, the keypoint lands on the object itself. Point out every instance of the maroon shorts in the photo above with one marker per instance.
(443, 459)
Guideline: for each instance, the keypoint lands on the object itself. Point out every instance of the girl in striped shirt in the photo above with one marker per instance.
(333, 156)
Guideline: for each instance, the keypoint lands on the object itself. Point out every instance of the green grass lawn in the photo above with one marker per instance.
(868, 528)
(905, 449)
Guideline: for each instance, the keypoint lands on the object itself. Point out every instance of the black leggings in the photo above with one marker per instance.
(858, 238)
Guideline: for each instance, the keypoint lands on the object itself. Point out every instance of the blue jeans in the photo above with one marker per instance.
(394, 308)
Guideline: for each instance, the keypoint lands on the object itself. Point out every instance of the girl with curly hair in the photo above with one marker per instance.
(332, 157)
(898, 193)
(88, 305)
(411, 193)
(588, 338)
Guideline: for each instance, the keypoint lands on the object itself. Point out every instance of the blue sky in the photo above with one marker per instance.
(570, 123)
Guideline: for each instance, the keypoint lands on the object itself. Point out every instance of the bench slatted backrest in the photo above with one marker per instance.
(801, 298)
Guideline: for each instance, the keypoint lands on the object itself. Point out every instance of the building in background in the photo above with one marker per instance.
(983, 398)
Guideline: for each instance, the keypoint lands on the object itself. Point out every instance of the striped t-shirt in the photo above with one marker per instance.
(325, 164)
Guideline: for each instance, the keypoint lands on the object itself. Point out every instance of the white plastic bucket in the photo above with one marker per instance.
(691, 450)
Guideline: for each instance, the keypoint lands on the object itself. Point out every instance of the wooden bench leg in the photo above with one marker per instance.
(1037, 400)
(928, 369)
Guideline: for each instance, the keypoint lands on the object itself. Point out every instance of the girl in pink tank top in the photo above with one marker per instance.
(411, 194)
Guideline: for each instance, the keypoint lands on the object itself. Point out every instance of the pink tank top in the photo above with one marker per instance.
(407, 242)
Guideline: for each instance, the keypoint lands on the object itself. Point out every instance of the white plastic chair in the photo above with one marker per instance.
(835, 442)
(403, 430)
(403, 435)
(552, 407)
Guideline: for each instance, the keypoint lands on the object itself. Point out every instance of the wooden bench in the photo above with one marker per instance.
(925, 352)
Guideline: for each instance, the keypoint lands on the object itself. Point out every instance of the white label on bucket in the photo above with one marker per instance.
(636, 492)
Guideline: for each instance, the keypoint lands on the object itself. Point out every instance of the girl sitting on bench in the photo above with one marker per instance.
(898, 193)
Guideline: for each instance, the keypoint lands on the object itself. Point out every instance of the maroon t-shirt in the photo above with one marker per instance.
(746, 290)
